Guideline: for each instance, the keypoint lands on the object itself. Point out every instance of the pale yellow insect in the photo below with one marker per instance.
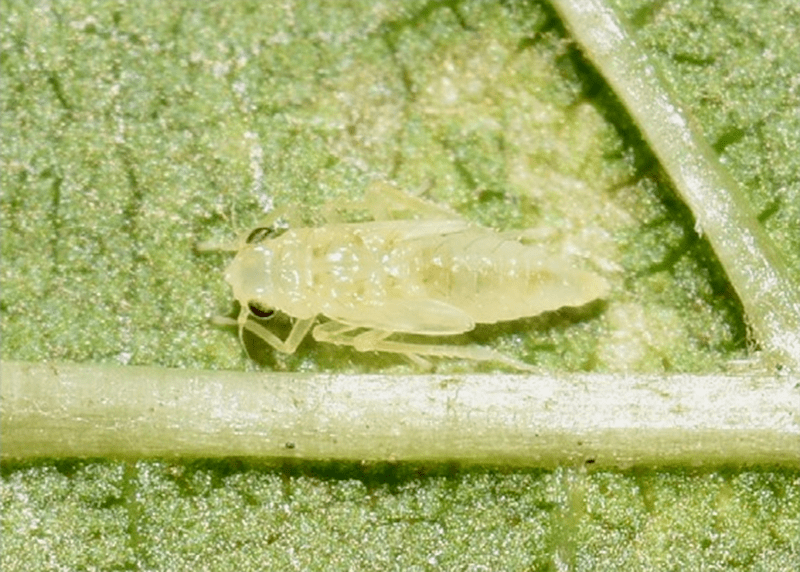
(438, 276)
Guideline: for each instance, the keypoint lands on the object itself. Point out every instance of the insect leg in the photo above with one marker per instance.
(475, 353)
(335, 333)
(331, 332)
(299, 331)
(367, 341)
(375, 340)
(385, 202)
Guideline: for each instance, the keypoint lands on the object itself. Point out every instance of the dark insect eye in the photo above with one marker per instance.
(259, 312)
(262, 233)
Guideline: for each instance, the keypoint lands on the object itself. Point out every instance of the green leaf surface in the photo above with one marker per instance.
(130, 131)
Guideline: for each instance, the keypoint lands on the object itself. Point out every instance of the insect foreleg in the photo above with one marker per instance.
(299, 331)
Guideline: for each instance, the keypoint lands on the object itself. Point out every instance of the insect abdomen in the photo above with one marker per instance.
(497, 279)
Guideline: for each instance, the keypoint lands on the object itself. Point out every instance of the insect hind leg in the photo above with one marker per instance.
(376, 340)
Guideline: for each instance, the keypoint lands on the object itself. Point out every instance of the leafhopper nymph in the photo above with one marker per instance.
(360, 284)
